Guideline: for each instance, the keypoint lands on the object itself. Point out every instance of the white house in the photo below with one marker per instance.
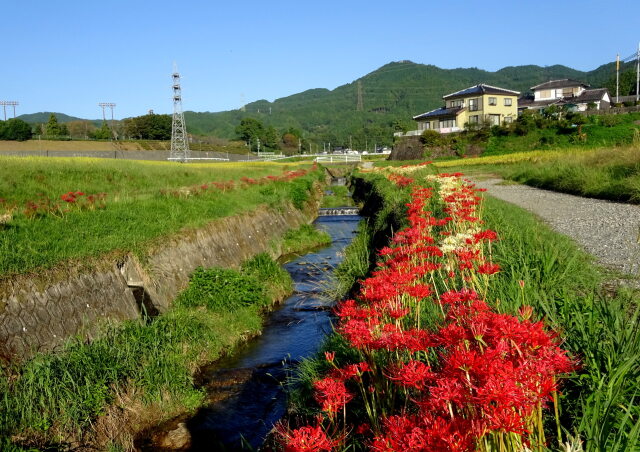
(566, 92)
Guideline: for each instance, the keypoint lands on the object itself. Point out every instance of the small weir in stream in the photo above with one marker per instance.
(245, 390)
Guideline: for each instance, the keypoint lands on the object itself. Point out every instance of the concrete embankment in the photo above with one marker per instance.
(39, 312)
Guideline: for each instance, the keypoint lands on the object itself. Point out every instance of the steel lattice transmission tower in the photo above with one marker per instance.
(179, 138)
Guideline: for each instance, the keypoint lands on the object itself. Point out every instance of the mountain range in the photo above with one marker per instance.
(367, 110)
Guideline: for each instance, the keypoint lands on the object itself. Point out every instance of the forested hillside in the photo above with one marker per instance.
(391, 95)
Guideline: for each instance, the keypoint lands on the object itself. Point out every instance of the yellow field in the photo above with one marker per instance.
(532, 156)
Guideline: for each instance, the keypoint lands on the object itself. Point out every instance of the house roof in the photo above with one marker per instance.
(563, 83)
(440, 112)
(481, 89)
(589, 95)
(529, 102)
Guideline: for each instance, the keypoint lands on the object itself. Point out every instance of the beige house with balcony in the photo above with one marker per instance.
(480, 104)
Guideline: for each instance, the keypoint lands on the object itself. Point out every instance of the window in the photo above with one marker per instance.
(508, 119)
(446, 123)
(473, 119)
(473, 104)
(493, 101)
(546, 94)
(425, 125)
(494, 120)
(508, 101)
(457, 103)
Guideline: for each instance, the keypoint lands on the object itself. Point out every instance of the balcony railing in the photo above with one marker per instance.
(415, 133)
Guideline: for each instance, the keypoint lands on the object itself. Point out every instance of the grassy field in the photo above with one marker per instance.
(134, 204)
(548, 272)
(610, 173)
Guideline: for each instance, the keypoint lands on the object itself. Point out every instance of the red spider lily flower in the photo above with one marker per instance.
(363, 429)
(305, 439)
(354, 370)
(330, 356)
(413, 374)
(331, 394)
(487, 235)
(488, 268)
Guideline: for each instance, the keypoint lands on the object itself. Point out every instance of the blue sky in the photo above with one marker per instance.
(67, 56)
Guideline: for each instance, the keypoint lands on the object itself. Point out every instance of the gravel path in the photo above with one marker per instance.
(609, 231)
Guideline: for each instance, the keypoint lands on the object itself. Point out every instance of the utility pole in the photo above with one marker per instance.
(617, 77)
(350, 144)
(299, 146)
(258, 144)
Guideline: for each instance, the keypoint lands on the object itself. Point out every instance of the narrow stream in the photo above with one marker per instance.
(246, 395)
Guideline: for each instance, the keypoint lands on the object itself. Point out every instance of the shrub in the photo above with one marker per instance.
(610, 120)
(222, 289)
(431, 138)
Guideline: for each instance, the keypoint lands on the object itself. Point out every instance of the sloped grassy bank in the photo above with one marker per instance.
(598, 407)
(606, 173)
(140, 373)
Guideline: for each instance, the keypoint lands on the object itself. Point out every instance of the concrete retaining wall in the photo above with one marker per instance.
(40, 316)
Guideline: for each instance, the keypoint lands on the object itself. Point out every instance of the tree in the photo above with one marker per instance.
(270, 138)
(103, 133)
(149, 127)
(52, 128)
(289, 140)
(80, 129)
(15, 129)
(249, 129)
(627, 85)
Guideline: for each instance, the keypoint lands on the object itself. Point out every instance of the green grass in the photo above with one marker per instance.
(612, 174)
(24, 179)
(599, 131)
(137, 214)
(609, 173)
(58, 397)
(304, 238)
(598, 327)
(339, 196)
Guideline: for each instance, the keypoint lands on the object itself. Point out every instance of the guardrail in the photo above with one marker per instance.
(331, 158)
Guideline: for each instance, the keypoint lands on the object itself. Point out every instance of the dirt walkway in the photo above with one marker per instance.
(609, 231)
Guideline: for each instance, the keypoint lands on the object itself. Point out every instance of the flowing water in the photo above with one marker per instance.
(246, 395)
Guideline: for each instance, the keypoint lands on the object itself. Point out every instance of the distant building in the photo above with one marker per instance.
(479, 104)
(568, 93)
